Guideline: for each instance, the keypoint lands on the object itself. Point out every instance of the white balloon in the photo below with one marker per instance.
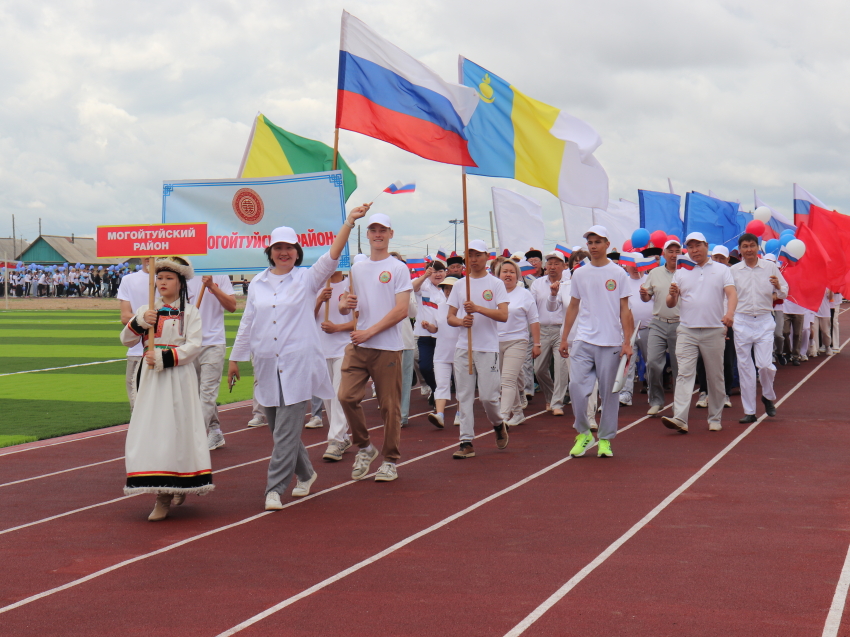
(763, 214)
(796, 248)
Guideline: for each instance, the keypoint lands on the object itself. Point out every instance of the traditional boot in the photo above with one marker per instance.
(178, 499)
(160, 511)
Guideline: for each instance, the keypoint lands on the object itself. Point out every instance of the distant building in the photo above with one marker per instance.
(9, 248)
(55, 250)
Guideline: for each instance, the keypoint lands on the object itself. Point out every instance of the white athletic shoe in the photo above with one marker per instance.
(362, 461)
(335, 450)
(727, 402)
(516, 419)
(387, 473)
(314, 423)
(457, 420)
(303, 488)
(215, 439)
(273, 501)
(523, 402)
(626, 398)
(714, 426)
(702, 403)
(436, 420)
(653, 410)
(257, 422)
(425, 390)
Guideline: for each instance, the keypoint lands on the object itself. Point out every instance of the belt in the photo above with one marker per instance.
(666, 320)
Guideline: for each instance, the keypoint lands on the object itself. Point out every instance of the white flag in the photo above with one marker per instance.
(519, 221)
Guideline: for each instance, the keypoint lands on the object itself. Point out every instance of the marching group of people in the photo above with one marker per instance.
(503, 327)
(62, 281)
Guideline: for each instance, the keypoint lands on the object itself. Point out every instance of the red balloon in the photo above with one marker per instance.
(627, 245)
(755, 227)
(672, 236)
(658, 238)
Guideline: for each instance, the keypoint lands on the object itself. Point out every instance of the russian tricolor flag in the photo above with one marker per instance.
(385, 93)
(685, 263)
(803, 201)
(441, 255)
(787, 256)
(416, 267)
(526, 268)
(399, 187)
(427, 302)
(627, 257)
(567, 252)
(645, 264)
(583, 262)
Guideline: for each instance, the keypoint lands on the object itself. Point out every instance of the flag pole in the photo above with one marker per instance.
(151, 291)
(328, 303)
(336, 148)
(6, 278)
(466, 252)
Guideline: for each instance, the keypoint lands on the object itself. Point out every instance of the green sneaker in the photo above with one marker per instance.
(582, 441)
(604, 450)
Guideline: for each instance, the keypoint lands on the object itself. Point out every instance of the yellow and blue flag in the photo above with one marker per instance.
(515, 136)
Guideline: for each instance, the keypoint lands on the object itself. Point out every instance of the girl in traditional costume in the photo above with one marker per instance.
(166, 449)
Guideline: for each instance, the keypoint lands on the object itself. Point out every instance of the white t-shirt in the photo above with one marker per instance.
(836, 300)
(522, 312)
(212, 313)
(134, 288)
(823, 310)
(702, 294)
(600, 289)
(541, 292)
(488, 292)
(376, 283)
(444, 351)
(641, 311)
(428, 293)
(333, 345)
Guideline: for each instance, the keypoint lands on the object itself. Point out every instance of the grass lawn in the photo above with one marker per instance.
(64, 399)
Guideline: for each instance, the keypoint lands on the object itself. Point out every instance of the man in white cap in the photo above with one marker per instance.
(720, 254)
(380, 292)
(599, 300)
(487, 305)
(702, 330)
(756, 283)
(551, 324)
(662, 330)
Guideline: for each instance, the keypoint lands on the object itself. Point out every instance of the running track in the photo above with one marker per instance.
(741, 532)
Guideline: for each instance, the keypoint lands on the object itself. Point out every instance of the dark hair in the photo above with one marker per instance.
(437, 265)
(298, 249)
(747, 236)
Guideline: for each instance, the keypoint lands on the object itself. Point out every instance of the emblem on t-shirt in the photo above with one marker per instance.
(610, 285)
(385, 277)
(488, 295)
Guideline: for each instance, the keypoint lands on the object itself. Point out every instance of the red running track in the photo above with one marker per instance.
(520, 541)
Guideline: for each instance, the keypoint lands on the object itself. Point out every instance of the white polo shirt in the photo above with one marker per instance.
(702, 294)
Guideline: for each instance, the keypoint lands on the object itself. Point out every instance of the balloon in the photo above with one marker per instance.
(763, 214)
(663, 261)
(772, 246)
(755, 227)
(711, 247)
(658, 238)
(640, 238)
(672, 237)
(787, 231)
(627, 246)
(784, 239)
(796, 248)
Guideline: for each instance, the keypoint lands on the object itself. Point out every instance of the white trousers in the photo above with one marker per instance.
(337, 424)
(511, 359)
(443, 376)
(553, 390)
(754, 334)
(487, 376)
(209, 365)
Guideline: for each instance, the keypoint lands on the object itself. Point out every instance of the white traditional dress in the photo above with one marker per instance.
(166, 449)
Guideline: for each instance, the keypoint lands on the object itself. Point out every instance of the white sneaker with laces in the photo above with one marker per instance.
(314, 423)
(273, 501)
(257, 422)
(362, 461)
(303, 488)
(727, 402)
(702, 403)
(626, 398)
(457, 420)
(335, 450)
(387, 473)
(425, 390)
(516, 419)
(215, 439)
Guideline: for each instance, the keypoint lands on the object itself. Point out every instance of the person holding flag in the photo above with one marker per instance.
(642, 317)
(429, 295)
(543, 290)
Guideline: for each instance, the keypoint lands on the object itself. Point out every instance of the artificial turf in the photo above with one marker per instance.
(43, 404)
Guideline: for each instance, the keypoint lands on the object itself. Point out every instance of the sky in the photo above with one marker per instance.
(102, 101)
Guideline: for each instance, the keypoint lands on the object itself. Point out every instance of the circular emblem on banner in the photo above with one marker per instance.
(610, 285)
(488, 295)
(385, 277)
(248, 206)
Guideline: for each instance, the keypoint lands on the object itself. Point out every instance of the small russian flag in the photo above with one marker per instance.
(567, 252)
(784, 254)
(585, 261)
(527, 269)
(645, 264)
(627, 257)
(427, 302)
(685, 262)
(493, 253)
(400, 187)
(441, 255)
(416, 267)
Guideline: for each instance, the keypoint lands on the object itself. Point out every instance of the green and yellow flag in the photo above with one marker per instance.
(272, 152)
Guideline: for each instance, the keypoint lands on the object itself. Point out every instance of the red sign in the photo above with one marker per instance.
(151, 241)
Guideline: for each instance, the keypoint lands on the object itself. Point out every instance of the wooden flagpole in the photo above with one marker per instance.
(328, 302)
(151, 294)
(466, 255)
(200, 296)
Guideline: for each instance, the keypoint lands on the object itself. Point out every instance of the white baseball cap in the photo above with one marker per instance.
(284, 234)
(722, 250)
(671, 242)
(770, 257)
(381, 219)
(695, 236)
(600, 231)
(478, 245)
(555, 255)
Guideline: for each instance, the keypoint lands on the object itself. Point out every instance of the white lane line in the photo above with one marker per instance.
(836, 609)
(217, 471)
(558, 595)
(138, 558)
(51, 369)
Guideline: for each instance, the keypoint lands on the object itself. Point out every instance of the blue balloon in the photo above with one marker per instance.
(662, 262)
(711, 246)
(640, 238)
(784, 239)
(786, 231)
(773, 246)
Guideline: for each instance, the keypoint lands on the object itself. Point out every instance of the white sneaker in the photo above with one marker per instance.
(653, 410)
(303, 488)
(457, 420)
(714, 426)
(314, 423)
(362, 461)
(273, 501)
(425, 390)
(215, 439)
(727, 402)
(626, 398)
(257, 422)
(335, 450)
(523, 402)
(436, 420)
(387, 473)
(803, 357)
(702, 403)
(517, 419)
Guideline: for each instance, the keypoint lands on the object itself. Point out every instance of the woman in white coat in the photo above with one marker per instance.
(279, 331)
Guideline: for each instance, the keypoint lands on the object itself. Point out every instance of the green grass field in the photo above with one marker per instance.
(44, 404)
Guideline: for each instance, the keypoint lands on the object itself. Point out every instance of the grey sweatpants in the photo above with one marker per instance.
(587, 364)
(289, 455)
(662, 339)
(209, 365)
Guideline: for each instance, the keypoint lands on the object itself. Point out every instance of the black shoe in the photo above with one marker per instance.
(769, 407)
(795, 362)
(783, 360)
(746, 420)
